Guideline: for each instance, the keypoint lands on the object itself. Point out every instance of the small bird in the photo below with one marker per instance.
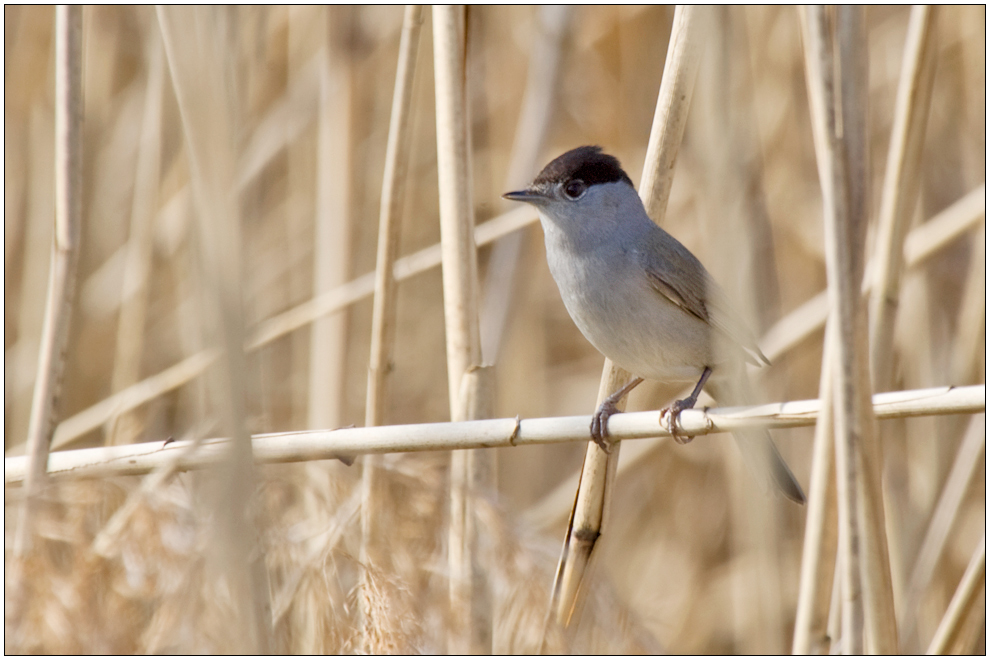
(642, 299)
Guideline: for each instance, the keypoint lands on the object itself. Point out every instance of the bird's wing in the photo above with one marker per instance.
(677, 275)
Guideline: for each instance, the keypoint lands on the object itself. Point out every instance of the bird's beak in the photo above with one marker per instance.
(528, 195)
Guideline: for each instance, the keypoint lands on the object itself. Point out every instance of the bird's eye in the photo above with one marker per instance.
(574, 189)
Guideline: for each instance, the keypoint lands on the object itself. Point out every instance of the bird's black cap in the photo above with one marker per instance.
(588, 164)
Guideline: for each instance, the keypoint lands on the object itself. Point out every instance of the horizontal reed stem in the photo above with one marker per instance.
(511, 432)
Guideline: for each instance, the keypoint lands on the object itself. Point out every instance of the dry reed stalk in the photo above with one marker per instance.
(587, 515)
(460, 294)
(819, 64)
(818, 559)
(393, 187)
(456, 210)
(63, 263)
(591, 504)
(332, 242)
(964, 601)
(37, 248)
(64, 258)
(542, 80)
(940, 524)
(840, 137)
(140, 242)
(861, 434)
(195, 43)
(510, 432)
(373, 499)
(900, 187)
(324, 360)
(833, 629)
(673, 102)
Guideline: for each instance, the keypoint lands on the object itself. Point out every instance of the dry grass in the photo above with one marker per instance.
(694, 560)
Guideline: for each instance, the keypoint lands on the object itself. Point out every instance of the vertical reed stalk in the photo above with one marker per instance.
(673, 101)
(832, 168)
(390, 210)
(900, 186)
(820, 527)
(838, 104)
(36, 254)
(595, 487)
(384, 306)
(899, 198)
(65, 257)
(835, 198)
(853, 66)
(331, 249)
(456, 209)
(460, 297)
(197, 44)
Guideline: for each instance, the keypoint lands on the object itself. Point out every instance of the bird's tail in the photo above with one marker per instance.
(757, 449)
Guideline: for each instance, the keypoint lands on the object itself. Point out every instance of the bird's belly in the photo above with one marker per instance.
(640, 330)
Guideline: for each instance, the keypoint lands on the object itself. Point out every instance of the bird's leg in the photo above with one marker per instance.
(599, 423)
(684, 404)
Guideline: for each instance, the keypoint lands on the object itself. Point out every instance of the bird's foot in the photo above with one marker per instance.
(671, 414)
(599, 425)
(599, 422)
(669, 418)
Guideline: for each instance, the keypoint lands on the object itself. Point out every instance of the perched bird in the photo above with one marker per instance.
(642, 299)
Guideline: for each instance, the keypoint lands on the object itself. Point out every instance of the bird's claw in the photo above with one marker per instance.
(671, 414)
(599, 426)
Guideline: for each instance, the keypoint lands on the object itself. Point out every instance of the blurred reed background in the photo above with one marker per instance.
(696, 560)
